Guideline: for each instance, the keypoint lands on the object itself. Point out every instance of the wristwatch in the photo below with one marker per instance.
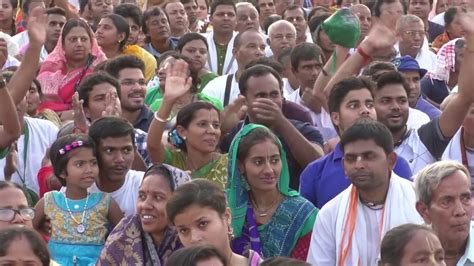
(3, 83)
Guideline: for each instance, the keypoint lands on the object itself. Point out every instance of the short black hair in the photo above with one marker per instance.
(121, 24)
(392, 77)
(114, 66)
(92, 80)
(376, 68)
(280, 260)
(378, 3)
(152, 12)
(343, 87)
(257, 71)
(294, 7)
(316, 21)
(14, 3)
(217, 3)
(55, 10)
(368, 129)
(192, 255)
(268, 21)
(189, 37)
(34, 239)
(266, 62)
(132, 11)
(111, 127)
(306, 51)
(451, 13)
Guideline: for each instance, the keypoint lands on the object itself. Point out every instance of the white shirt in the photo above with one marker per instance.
(287, 88)
(438, 19)
(216, 88)
(127, 195)
(322, 121)
(416, 118)
(425, 58)
(415, 152)
(41, 134)
(21, 38)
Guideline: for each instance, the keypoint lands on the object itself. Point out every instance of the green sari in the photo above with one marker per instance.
(215, 170)
(292, 221)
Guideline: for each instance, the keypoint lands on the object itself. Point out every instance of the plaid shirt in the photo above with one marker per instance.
(140, 143)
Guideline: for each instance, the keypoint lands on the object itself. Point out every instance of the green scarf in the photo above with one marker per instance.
(237, 186)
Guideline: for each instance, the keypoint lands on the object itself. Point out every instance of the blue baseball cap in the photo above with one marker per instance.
(408, 63)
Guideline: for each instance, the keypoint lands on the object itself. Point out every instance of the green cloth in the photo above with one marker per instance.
(205, 79)
(215, 171)
(200, 96)
(221, 53)
(237, 189)
(152, 95)
(4, 152)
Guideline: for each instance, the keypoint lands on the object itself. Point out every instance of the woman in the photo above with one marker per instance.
(112, 35)
(23, 245)
(145, 238)
(14, 210)
(260, 200)
(411, 244)
(196, 135)
(441, 6)
(7, 17)
(453, 29)
(73, 58)
(194, 46)
(200, 214)
(203, 10)
(187, 97)
(438, 83)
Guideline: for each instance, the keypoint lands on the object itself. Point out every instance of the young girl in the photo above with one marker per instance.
(79, 220)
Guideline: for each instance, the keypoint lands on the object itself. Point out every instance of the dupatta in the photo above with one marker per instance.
(59, 84)
(288, 223)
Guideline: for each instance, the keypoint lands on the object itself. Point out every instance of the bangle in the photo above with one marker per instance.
(159, 119)
(363, 53)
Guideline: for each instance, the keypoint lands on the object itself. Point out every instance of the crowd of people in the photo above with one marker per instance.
(223, 132)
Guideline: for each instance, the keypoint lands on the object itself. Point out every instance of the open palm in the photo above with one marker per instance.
(178, 81)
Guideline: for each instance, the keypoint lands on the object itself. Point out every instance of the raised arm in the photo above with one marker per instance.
(10, 129)
(178, 82)
(21, 81)
(453, 115)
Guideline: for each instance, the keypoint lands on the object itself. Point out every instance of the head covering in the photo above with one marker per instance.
(179, 176)
(237, 190)
(408, 63)
(128, 244)
(445, 61)
(54, 68)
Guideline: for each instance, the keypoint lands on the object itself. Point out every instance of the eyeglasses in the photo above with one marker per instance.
(8, 214)
(131, 82)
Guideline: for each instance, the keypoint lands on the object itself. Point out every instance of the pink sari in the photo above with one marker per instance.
(57, 83)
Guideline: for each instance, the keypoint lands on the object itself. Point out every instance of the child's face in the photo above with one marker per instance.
(20, 253)
(82, 168)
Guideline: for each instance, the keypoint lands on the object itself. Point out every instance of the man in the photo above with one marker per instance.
(157, 31)
(221, 39)
(265, 8)
(178, 19)
(389, 11)
(444, 201)
(281, 34)
(365, 19)
(247, 17)
(247, 46)
(100, 96)
(281, 5)
(262, 86)
(413, 74)
(411, 37)
(290, 82)
(306, 64)
(422, 9)
(114, 138)
(129, 71)
(56, 21)
(350, 100)
(348, 230)
(297, 16)
(93, 10)
(191, 8)
(133, 15)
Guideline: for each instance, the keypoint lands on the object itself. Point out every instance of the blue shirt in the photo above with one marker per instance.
(427, 108)
(324, 179)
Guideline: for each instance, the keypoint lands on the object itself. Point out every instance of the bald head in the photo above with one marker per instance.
(247, 17)
(281, 34)
(365, 18)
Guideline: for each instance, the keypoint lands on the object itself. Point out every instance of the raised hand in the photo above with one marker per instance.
(232, 114)
(81, 123)
(112, 105)
(379, 41)
(37, 25)
(178, 81)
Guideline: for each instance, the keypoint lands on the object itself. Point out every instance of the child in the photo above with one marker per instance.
(79, 220)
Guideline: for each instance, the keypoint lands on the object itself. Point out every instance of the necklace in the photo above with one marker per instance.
(80, 228)
(264, 213)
